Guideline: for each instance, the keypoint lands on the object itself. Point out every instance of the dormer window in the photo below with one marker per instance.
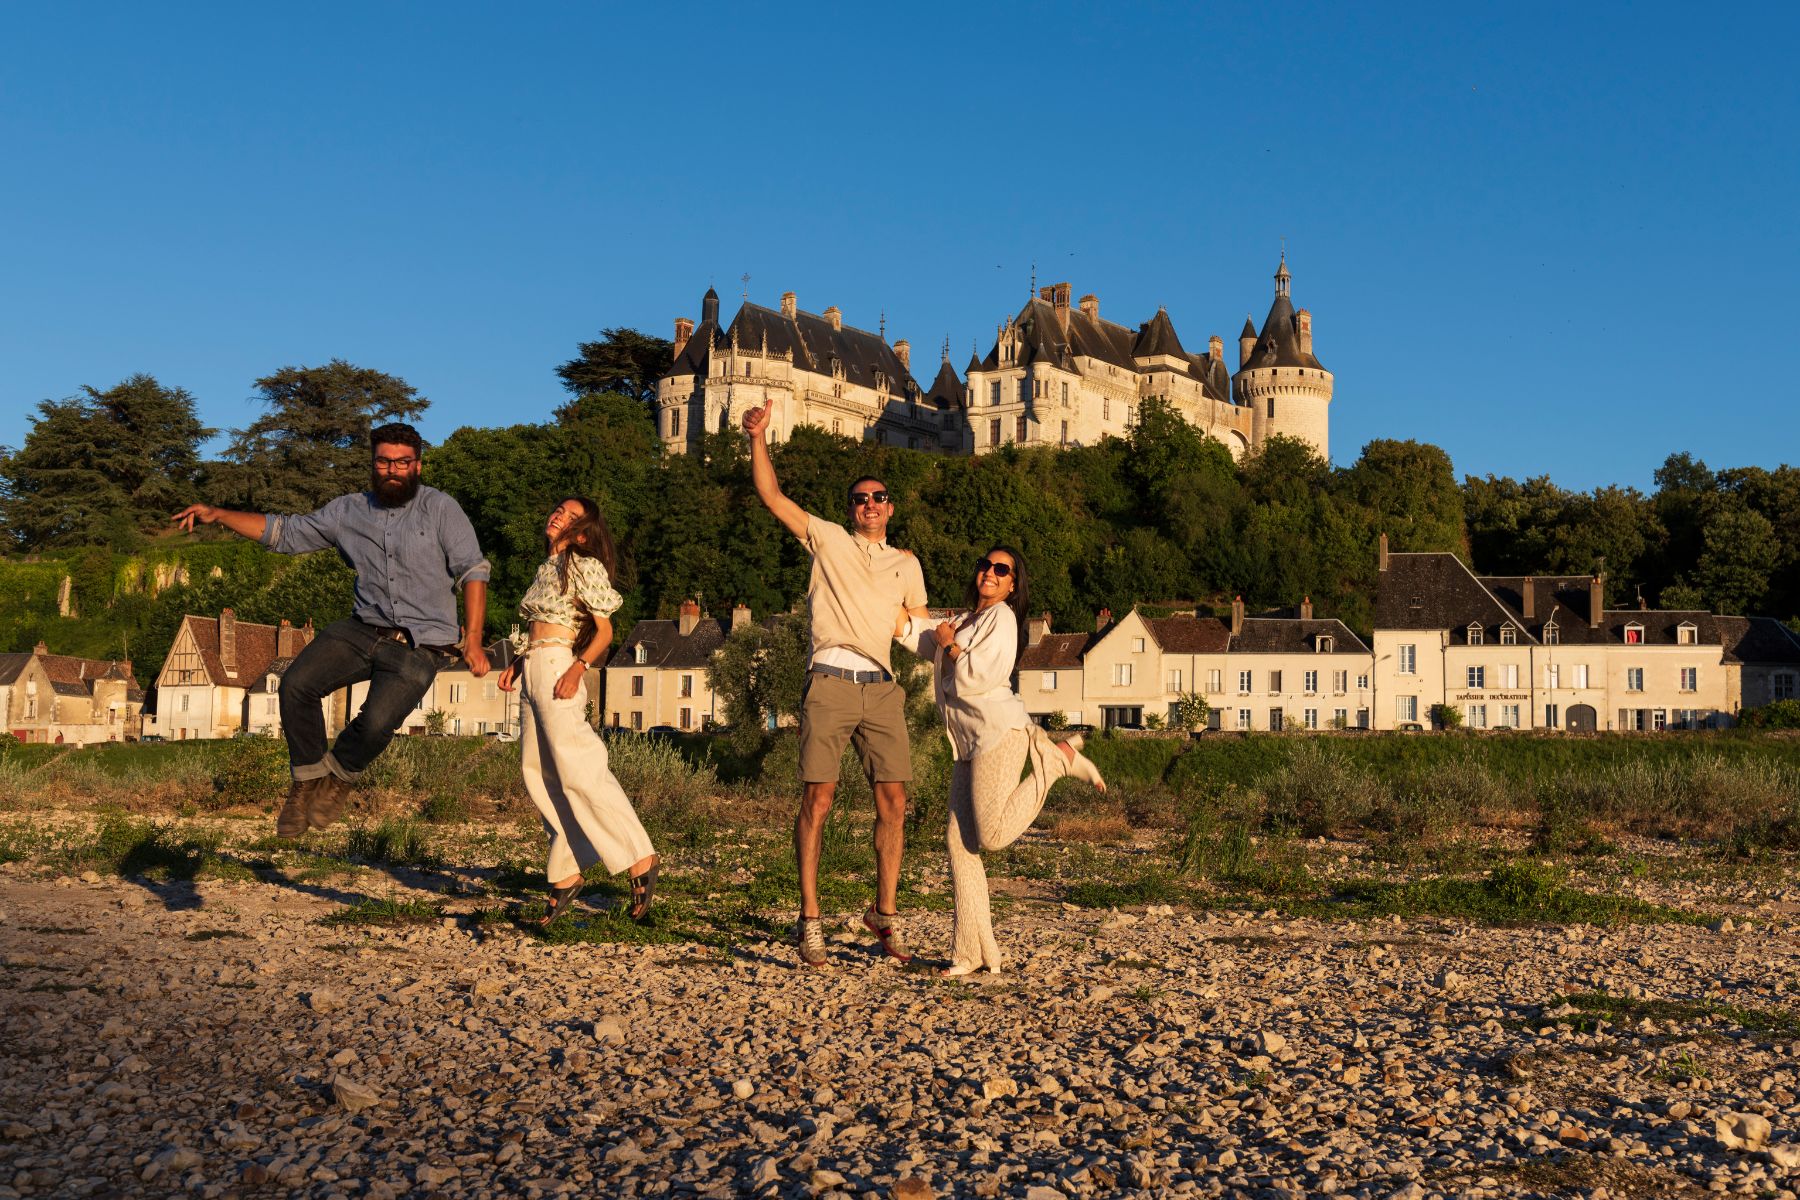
(1634, 634)
(1324, 643)
(1477, 636)
(1418, 600)
(1552, 634)
(1686, 634)
(1509, 636)
(640, 654)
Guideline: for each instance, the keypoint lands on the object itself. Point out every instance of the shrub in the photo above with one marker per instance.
(1777, 714)
(669, 793)
(391, 843)
(253, 770)
(1317, 791)
(1446, 716)
(1057, 720)
(1191, 709)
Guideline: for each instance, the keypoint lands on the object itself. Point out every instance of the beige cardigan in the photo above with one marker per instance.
(974, 689)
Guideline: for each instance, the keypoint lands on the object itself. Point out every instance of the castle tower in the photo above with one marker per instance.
(1286, 388)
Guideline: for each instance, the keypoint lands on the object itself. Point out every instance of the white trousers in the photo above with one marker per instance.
(586, 812)
(990, 806)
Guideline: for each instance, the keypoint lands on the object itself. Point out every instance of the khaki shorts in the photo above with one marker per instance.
(872, 716)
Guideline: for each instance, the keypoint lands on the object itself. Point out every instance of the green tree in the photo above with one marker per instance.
(313, 442)
(1408, 491)
(1739, 558)
(620, 360)
(1191, 710)
(760, 673)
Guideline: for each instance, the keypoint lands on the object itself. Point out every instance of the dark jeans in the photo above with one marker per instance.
(350, 652)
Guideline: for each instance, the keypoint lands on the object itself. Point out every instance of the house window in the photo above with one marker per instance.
(1048, 683)
(1137, 645)
(1581, 675)
(1340, 682)
(686, 718)
(1020, 433)
(1175, 680)
(31, 705)
(1552, 634)
(1509, 675)
(1634, 635)
(1509, 716)
(1243, 718)
(1362, 682)
(1477, 636)
(1121, 674)
(1477, 716)
(1309, 681)
(640, 654)
(458, 692)
(1477, 677)
(1634, 679)
(1274, 681)
(1552, 675)
(1065, 434)
(1409, 660)
(1214, 681)
(994, 392)
(1685, 634)
(1340, 718)
(1659, 720)
(1276, 720)
(1310, 718)
(687, 686)
(1065, 393)
(1781, 685)
(1406, 708)
(637, 720)
(1552, 715)
(994, 432)
(637, 685)
(455, 724)
(489, 690)
(1690, 679)
(1509, 636)
(1244, 682)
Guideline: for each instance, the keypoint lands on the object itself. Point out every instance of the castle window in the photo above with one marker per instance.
(746, 369)
(1106, 408)
(994, 392)
(674, 423)
(1271, 407)
(994, 432)
(1021, 434)
(1021, 390)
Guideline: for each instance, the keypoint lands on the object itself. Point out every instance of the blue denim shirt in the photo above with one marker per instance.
(409, 561)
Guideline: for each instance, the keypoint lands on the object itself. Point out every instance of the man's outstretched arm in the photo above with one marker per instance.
(244, 524)
(762, 474)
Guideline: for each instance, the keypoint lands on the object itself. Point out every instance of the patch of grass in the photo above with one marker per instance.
(1515, 894)
(1621, 1010)
(124, 846)
(213, 935)
(1684, 1068)
(391, 843)
(386, 912)
(444, 808)
(1149, 887)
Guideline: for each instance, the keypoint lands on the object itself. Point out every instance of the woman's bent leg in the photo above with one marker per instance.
(1005, 805)
(972, 943)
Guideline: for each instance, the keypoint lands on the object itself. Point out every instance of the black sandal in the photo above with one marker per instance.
(560, 901)
(643, 891)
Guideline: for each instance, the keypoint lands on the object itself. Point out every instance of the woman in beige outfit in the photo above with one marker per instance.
(990, 738)
(568, 610)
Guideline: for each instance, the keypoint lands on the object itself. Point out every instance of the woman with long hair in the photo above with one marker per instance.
(990, 738)
(568, 611)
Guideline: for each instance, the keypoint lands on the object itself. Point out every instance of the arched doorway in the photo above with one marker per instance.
(1582, 718)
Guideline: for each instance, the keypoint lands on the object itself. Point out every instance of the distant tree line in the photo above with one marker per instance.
(1162, 516)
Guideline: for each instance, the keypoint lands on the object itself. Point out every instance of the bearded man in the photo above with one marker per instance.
(411, 548)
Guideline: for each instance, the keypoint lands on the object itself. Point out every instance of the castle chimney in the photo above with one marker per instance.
(287, 639)
(835, 317)
(789, 305)
(1237, 615)
(1215, 348)
(1102, 619)
(1246, 343)
(1528, 599)
(740, 617)
(1036, 628)
(1306, 608)
(683, 329)
(1382, 554)
(690, 617)
(903, 351)
(1596, 600)
(1090, 307)
(1303, 323)
(228, 641)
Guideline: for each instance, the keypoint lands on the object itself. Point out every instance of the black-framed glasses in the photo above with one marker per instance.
(858, 499)
(1001, 570)
(394, 464)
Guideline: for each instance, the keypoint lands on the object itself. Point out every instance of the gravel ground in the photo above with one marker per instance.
(216, 1039)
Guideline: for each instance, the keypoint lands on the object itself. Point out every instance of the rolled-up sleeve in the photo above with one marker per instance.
(462, 551)
(303, 533)
(593, 587)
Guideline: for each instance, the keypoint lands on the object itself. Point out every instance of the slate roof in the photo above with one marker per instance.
(1291, 635)
(948, 390)
(665, 647)
(1157, 336)
(1568, 599)
(1436, 591)
(809, 337)
(1043, 338)
(1055, 652)
(1758, 640)
(1278, 345)
(11, 665)
(1189, 634)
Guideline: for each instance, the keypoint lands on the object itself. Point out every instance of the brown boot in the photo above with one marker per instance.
(327, 801)
(293, 820)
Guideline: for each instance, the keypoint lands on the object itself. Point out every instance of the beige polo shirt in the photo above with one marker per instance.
(858, 589)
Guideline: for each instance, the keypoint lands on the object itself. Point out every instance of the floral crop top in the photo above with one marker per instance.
(590, 592)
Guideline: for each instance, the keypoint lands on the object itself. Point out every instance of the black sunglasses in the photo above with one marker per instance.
(1000, 570)
(857, 498)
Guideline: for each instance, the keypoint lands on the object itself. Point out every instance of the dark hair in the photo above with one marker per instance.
(589, 536)
(396, 434)
(862, 479)
(1016, 600)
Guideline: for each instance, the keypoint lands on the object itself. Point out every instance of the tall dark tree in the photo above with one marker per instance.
(103, 467)
(313, 442)
(621, 360)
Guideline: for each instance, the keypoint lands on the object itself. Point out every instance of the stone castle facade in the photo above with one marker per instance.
(1058, 374)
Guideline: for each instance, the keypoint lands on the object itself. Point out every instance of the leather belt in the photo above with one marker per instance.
(852, 676)
(387, 634)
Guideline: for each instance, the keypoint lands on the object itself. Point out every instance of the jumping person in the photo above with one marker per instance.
(990, 738)
(411, 547)
(860, 590)
(568, 609)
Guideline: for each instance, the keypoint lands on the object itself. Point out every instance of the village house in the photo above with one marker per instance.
(48, 697)
(221, 678)
(657, 676)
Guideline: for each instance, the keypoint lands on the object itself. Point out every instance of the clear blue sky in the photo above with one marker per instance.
(1553, 239)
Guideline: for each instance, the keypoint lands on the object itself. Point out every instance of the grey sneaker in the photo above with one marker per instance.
(292, 821)
(809, 935)
(886, 926)
(326, 801)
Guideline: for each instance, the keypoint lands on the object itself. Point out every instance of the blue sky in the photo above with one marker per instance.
(1551, 239)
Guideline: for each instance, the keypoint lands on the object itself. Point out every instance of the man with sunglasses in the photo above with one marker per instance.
(860, 586)
(411, 547)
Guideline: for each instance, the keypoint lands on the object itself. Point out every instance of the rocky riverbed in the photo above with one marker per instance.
(216, 1039)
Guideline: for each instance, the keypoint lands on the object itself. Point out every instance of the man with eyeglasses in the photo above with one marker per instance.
(859, 587)
(411, 547)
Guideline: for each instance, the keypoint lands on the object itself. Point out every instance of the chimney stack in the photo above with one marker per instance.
(1596, 600)
(835, 317)
(1102, 619)
(1382, 554)
(287, 639)
(690, 617)
(790, 304)
(1036, 628)
(1306, 608)
(228, 641)
(1528, 599)
(1215, 349)
(740, 617)
(683, 329)
(1090, 306)
(1237, 615)
(903, 351)
(1303, 322)
(40, 649)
